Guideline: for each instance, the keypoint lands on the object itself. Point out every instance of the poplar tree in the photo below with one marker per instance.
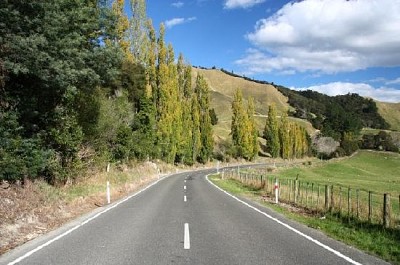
(238, 119)
(138, 27)
(284, 136)
(203, 96)
(271, 132)
(251, 131)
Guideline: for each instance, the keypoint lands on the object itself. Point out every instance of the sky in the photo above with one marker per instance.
(331, 46)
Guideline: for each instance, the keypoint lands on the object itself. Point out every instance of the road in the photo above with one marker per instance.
(184, 219)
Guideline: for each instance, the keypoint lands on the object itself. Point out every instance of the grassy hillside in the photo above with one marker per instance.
(223, 87)
(391, 113)
(375, 171)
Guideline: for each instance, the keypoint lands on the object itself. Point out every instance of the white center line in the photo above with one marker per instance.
(184, 198)
(184, 187)
(185, 180)
(186, 241)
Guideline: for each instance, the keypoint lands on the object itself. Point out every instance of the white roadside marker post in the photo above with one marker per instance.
(276, 191)
(108, 186)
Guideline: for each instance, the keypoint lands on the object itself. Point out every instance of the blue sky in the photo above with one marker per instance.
(332, 46)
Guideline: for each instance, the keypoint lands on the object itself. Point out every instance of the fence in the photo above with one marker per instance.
(344, 202)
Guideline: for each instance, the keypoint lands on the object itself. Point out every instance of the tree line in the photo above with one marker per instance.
(283, 138)
(82, 84)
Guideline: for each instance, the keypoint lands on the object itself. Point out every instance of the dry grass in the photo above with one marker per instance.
(391, 113)
(223, 87)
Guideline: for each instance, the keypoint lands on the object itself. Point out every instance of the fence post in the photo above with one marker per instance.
(358, 204)
(340, 201)
(326, 198)
(386, 210)
(319, 193)
(295, 191)
(312, 194)
(332, 200)
(369, 206)
(348, 204)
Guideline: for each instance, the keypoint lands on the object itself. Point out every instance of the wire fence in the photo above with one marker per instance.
(344, 202)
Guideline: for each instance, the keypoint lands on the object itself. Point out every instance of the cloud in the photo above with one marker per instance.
(385, 94)
(231, 4)
(177, 4)
(393, 82)
(177, 21)
(326, 36)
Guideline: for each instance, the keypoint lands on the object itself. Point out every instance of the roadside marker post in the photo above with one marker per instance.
(108, 186)
(108, 192)
(276, 187)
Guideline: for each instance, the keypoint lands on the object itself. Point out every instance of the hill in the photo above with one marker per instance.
(391, 113)
(223, 87)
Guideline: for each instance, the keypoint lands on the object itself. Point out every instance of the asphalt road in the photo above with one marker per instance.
(183, 219)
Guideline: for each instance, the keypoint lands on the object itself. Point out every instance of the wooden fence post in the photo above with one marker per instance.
(331, 209)
(358, 204)
(386, 210)
(348, 204)
(327, 198)
(369, 206)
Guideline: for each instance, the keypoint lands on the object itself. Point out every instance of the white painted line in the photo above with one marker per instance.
(184, 187)
(337, 253)
(185, 181)
(186, 240)
(81, 224)
(184, 198)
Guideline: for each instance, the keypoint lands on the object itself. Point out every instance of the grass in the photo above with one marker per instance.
(367, 170)
(390, 112)
(384, 243)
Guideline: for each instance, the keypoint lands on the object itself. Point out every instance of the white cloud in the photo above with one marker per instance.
(177, 4)
(393, 82)
(385, 94)
(231, 4)
(177, 21)
(326, 36)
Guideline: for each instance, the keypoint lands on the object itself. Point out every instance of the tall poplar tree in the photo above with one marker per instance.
(207, 142)
(271, 132)
(252, 131)
(284, 136)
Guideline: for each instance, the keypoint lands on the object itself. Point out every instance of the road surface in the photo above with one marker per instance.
(184, 219)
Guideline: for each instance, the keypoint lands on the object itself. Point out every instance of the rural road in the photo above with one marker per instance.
(184, 219)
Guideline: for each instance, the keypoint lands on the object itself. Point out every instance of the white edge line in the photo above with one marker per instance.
(26, 255)
(337, 253)
(186, 239)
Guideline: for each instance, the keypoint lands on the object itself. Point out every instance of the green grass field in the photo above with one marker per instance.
(367, 170)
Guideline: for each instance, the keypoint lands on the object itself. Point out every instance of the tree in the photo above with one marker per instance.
(284, 138)
(251, 132)
(138, 27)
(238, 119)
(203, 97)
(271, 132)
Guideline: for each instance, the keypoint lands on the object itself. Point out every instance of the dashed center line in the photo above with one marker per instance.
(184, 187)
(184, 198)
(186, 240)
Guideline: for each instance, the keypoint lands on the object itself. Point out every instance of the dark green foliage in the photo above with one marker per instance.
(335, 115)
(382, 142)
(20, 157)
(213, 116)
(51, 54)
